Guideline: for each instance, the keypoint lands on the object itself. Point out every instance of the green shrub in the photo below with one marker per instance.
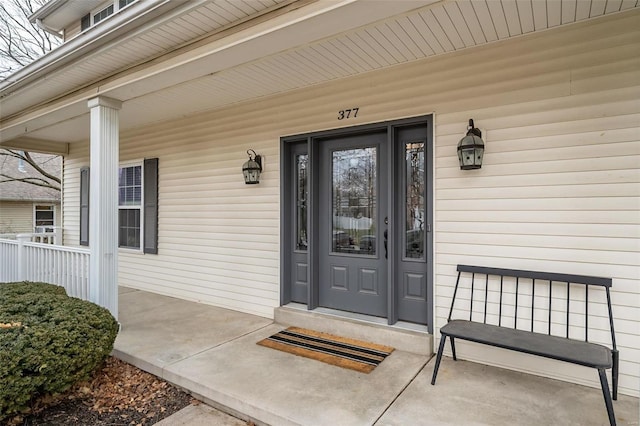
(48, 342)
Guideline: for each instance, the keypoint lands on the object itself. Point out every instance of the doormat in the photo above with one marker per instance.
(341, 351)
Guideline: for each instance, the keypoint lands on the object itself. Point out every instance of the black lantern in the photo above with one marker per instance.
(252, 168)
(471, 149)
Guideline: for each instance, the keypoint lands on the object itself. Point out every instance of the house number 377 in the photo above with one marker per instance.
(348, 113)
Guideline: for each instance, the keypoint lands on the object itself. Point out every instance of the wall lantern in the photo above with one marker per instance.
(252, 168)
(471, 149)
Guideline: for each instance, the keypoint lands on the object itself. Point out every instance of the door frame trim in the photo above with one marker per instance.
(313, 140)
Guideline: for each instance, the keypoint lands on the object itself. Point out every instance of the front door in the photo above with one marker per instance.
(353, 215)
(357, 216)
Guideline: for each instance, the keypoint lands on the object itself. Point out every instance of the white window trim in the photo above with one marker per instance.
(35, 216)
(135, 163)
(103, 6)
(116, 5)
(97, 10)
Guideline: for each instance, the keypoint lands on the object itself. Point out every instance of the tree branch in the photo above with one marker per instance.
(21, 42)
(39, 169)
(25, 156)
(30, 180)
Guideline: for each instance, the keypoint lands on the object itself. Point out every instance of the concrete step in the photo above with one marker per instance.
(405, 337)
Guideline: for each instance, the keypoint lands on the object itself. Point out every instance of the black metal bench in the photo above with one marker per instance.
(494, 299)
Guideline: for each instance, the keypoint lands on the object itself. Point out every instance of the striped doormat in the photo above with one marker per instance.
(343, 352)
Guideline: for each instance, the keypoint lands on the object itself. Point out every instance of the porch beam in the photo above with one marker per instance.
(103, 202)
(36, 145)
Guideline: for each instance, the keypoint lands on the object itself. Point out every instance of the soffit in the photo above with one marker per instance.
(439, 29)
(138, 47)
(429, 31)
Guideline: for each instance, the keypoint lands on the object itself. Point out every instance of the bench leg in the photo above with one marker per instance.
(443, 339)
(614, 373)
(607, 395)
(453, 349)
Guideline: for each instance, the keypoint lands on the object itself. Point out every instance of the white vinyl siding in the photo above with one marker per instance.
(559, 189)
(78, 157)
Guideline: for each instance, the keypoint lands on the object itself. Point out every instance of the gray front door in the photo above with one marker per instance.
(352, 227)
(357, 217)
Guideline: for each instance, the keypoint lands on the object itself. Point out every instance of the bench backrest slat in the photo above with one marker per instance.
(533, 303)
(473, 280)
(550, 299)
(537, 278)
(486, 296)
(515, 315)
(568, 305)
(500, 307)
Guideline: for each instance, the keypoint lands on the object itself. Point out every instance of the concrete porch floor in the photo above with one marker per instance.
(212, 353)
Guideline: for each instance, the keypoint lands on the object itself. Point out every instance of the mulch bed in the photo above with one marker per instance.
(118, 394)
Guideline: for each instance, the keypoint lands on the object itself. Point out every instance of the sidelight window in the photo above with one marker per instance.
(414, 200)
(302, 194)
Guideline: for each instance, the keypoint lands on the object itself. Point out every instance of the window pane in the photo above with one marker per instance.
(414, 198)
(130, 186)
(44, 216)
(85, 22)
(102, 14)
(302, 162)
(137, 176)
(129, 228)
(354, 201)
(123, 3)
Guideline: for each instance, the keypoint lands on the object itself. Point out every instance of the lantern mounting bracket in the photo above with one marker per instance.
(473, 130)
(256, 157)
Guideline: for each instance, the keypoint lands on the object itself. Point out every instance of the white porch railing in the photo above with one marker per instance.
(43, 234)
(24, 260)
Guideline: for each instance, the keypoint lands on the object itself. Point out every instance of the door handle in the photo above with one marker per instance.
(386, 237)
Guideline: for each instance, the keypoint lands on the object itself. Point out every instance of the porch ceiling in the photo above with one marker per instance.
(325, 41)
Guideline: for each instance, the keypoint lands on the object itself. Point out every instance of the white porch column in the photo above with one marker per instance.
(103, 203)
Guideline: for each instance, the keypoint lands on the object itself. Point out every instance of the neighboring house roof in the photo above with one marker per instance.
(21, 191)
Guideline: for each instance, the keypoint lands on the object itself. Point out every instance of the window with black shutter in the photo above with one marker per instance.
(137, 206)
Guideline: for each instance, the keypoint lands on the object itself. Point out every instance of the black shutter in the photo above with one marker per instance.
(84, 206)
(85, 22)
(150, 244)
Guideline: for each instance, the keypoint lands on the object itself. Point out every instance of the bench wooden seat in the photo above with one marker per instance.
(538, 286)
(560, 348)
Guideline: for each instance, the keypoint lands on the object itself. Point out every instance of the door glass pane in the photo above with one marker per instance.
(414, 195)
(354, 201)
(302, 162)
